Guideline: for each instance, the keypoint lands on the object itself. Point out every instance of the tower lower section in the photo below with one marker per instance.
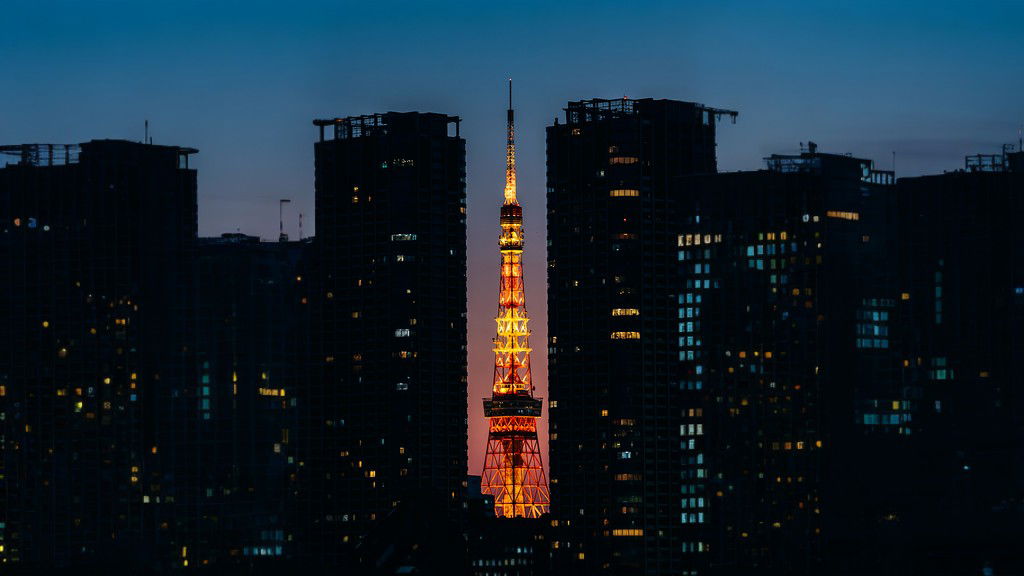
(513, 469)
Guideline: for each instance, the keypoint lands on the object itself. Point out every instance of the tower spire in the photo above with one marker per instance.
(510, 153)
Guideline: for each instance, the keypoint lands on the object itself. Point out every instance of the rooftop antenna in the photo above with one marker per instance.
(145, 139)
(280, 214)
(300, 226)
(510, 153)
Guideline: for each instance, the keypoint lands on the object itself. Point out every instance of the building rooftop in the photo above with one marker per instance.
(377, 124)
(63, 154)
(582, 111)
(41, 154)
(810, 161)
(1006, 161)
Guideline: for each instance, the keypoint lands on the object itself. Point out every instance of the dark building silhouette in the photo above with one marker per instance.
(96, 248)
(615, 402)
(846, 353)
(785, 310)
(954, 503)
(252, 353)
(388, 391)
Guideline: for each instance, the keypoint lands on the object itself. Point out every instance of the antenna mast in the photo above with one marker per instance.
(280, 219)
(510, 153)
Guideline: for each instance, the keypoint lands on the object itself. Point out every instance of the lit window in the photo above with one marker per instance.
(620, 193)
(843, 215)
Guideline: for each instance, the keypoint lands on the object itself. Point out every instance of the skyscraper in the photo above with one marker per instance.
(513, 471)
(614, 168)
(388, 391)
(252, 350)
(954, 504)
(784, 307)
(96, 259)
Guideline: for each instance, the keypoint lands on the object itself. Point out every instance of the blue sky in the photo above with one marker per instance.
(242, 81)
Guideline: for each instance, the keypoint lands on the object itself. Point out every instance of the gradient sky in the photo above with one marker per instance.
(241, 81)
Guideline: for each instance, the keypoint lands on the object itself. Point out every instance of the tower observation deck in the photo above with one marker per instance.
(513, 470)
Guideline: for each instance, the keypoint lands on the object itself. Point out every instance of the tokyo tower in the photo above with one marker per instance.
(513, 471)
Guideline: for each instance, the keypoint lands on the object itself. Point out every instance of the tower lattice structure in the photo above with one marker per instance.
(513, 470)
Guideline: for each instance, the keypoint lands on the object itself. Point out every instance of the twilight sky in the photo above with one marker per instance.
(241, 81)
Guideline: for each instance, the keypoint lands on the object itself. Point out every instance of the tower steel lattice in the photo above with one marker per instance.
(513, 470)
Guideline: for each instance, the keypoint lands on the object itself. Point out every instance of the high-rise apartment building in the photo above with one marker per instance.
(846, 347)
(388, 391)
(96, 247)
(786, 311)
(955, 503)
(616, 406)
(252, 352)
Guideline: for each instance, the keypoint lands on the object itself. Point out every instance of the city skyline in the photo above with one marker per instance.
(713, 333)
(931, 81)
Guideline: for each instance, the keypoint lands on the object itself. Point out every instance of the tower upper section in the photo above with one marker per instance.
(510, 154)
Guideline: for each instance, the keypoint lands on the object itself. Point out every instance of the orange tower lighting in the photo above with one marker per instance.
(513, 469)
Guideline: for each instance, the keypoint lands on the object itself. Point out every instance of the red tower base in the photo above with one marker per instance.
(513, 470)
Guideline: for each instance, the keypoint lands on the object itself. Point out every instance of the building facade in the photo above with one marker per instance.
(784, 311)
(958, 506)
(843, 346)
(96, 243)
(615, 405)
(252, 352)
(388, 392)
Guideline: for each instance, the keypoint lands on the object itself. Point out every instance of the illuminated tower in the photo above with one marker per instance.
(513, 472)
